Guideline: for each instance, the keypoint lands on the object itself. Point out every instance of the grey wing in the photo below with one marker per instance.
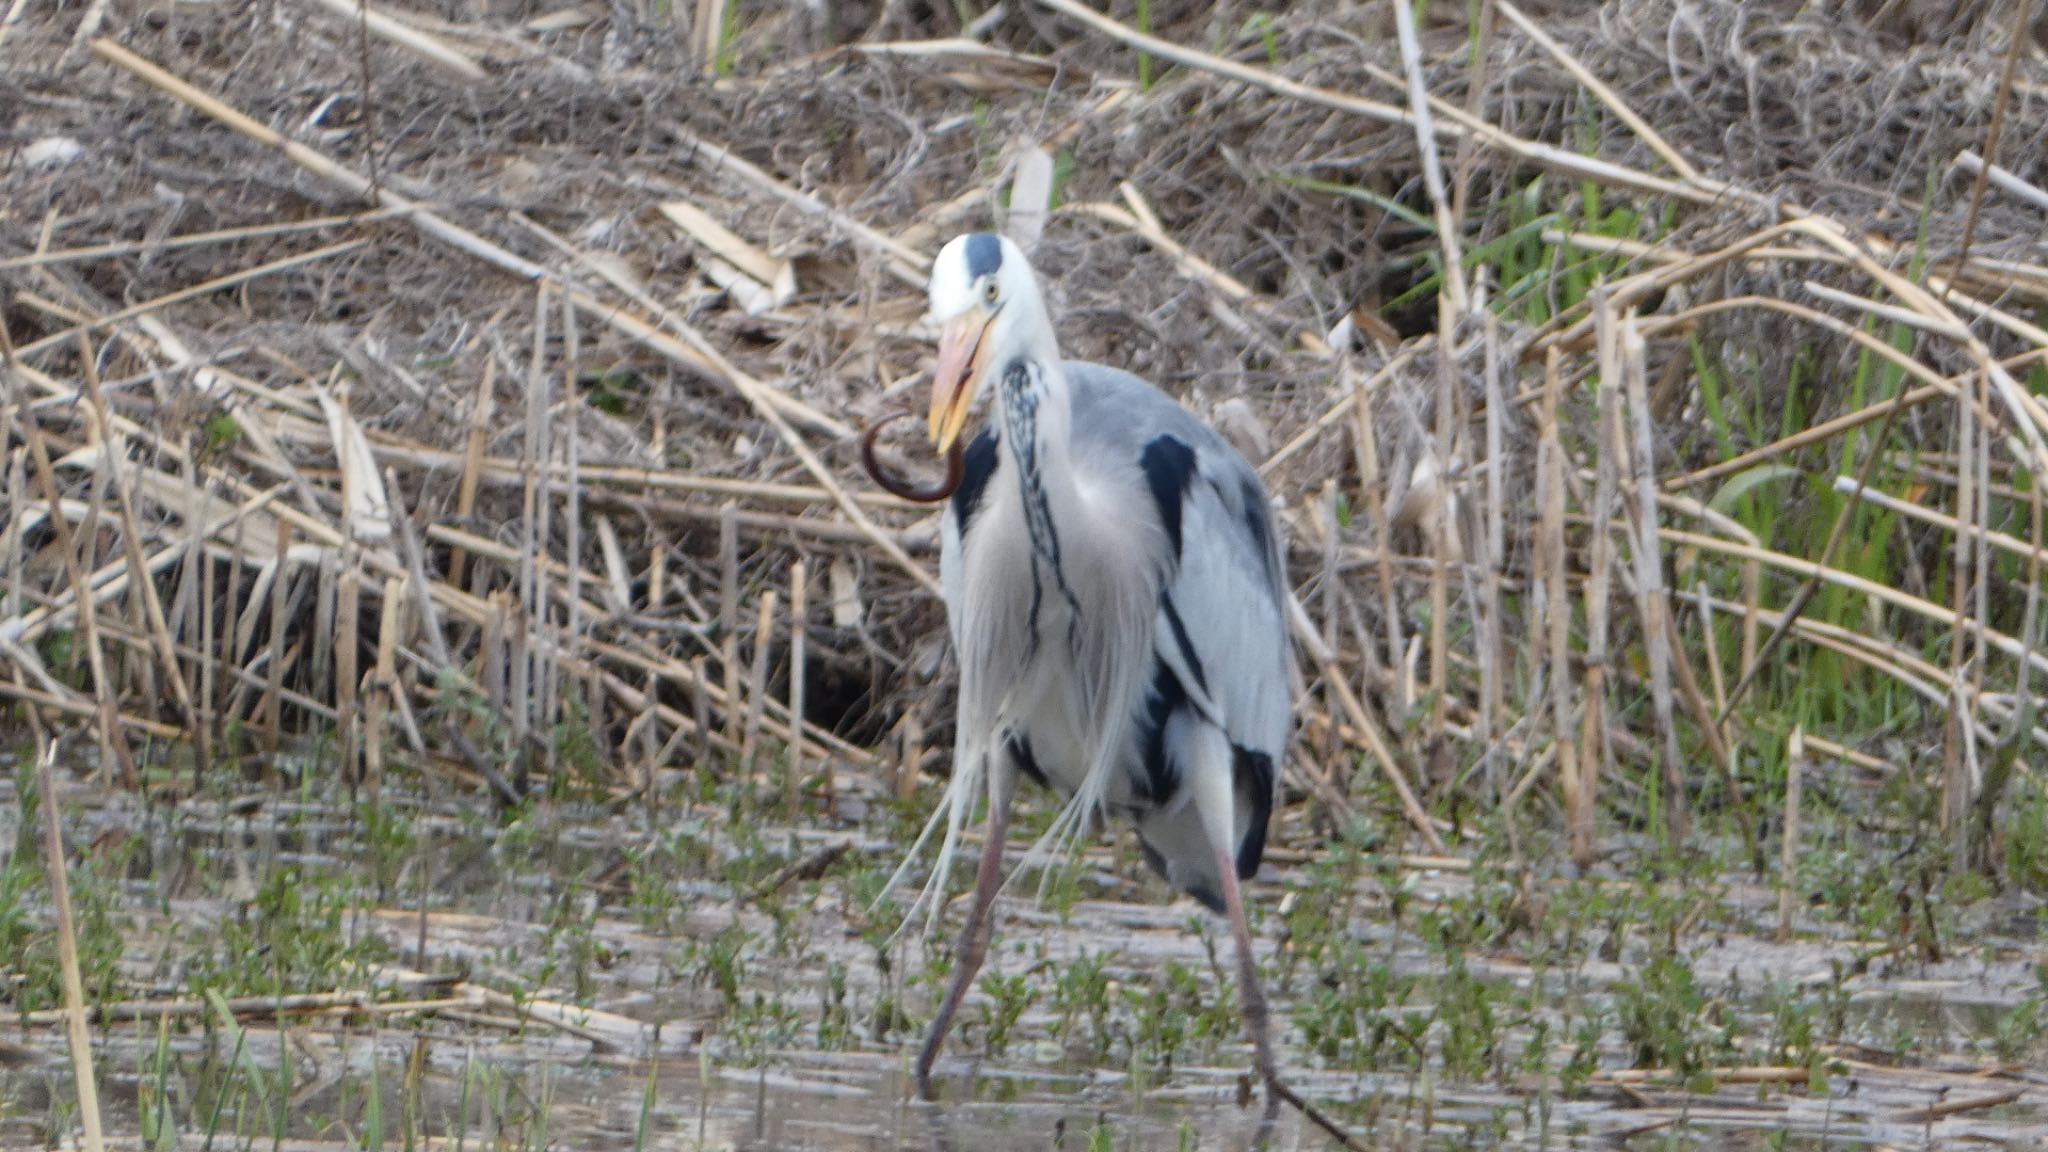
(1222, 629)
(1228, 588)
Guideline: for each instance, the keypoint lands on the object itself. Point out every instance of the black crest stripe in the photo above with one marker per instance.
(984, 254)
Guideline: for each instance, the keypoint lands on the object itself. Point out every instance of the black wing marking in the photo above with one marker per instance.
(1162, 776)
(975, 470)
(1252, 772)
(1187, 647)
(1026, 762)
(1169, 464)
(1204, 895)
(1255, 519)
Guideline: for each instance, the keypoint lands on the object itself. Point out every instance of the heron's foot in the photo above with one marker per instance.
(1278, 1090)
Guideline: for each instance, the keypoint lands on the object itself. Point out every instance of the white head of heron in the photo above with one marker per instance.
(987, 304)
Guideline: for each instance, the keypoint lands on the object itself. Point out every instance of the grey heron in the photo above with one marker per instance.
(1114, 588)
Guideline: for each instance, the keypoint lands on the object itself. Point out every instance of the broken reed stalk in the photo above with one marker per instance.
(221, 236)
(1365, 730)
(1372, 486)
(1709, 639)
(525, 637)
(904, 786)
(757, 677)
(1847, 755)
(798, 606)
(1443, 519)
(1788, 847)
(657, 451)
(431, 49)
(114, 464)
(572, 513)
(1323, 515)
(1456, 123)
(346, 655)
(17, 544)
(1452, 302)
(1956, 743)
(693, 351)
(1596, 750)
(774, 406)
(1651, 600)
(2003, 542)
(482, 407)
(547, 702)
(1821, 574)
(273, 699)
(218, 284)
(700, 711)
(198, 563)
(113, 749)
(1346, 403)
(707, 33)
(2017, 40)
(1553, 601)
(385, 691)
(729, 616)
(1494, 650)
(55, 861)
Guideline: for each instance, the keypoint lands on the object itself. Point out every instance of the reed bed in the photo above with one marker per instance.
(1641, 387)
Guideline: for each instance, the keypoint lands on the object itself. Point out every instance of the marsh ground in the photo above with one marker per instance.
(718, 982)
(406, 524)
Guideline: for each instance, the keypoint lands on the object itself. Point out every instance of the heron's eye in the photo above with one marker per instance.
(990, 291)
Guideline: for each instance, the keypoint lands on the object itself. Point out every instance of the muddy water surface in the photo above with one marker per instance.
(569, 978)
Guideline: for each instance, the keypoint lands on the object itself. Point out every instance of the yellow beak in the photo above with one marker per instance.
(963, 346)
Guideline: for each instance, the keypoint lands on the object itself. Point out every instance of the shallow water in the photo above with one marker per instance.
(585, 983)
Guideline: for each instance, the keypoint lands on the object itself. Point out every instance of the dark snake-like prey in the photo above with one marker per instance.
(956, 467)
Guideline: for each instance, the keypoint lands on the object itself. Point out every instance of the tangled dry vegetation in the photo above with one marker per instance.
(451, 381)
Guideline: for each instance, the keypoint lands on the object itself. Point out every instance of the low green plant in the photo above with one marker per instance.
(1013, 995)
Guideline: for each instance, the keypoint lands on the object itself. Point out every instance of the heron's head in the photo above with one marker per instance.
(986, 301)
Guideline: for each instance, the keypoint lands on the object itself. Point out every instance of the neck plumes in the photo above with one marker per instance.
(1037, 427)
(1037, 422)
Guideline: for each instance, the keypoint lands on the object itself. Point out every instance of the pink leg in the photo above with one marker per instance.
(1250, 993)
(974, 937)
(1253, 996)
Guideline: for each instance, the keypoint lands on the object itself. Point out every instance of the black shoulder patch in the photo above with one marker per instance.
(984, 255)
(1252, 772)
(976, 467)
(1169, 464)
